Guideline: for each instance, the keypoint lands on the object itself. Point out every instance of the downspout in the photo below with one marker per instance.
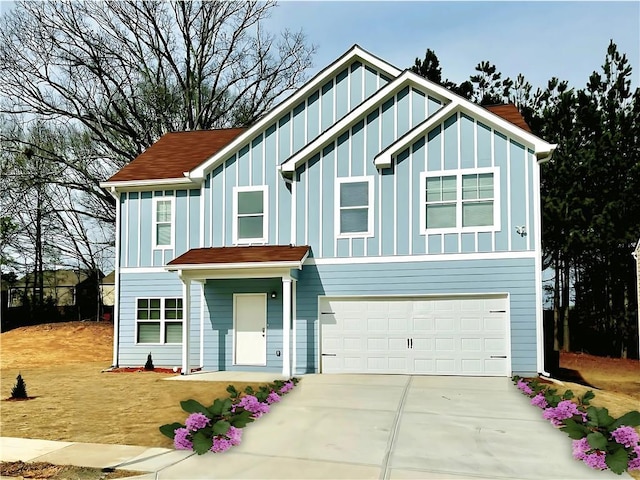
(540, 339)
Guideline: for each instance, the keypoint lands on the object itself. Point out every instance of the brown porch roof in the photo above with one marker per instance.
(250, 254)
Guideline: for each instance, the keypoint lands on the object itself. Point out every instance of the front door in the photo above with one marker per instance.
(250, 326)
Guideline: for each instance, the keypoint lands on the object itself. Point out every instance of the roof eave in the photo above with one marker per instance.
(235, 266)
(158, 182)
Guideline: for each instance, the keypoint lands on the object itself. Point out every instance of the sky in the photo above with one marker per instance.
(538, 39)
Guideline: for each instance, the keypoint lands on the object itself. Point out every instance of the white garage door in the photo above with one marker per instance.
(439, 336)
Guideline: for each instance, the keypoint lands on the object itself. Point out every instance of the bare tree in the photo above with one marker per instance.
(115, 76)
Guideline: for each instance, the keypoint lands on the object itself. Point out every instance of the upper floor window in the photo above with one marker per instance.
(459, 200)
(159, 320)
(354, 215)
(250, 215)
(163, 222)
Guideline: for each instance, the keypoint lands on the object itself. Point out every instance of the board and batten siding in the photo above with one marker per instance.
(137, 224)
(458, 143)
(515, 277)
(154, 285)
(255, 163)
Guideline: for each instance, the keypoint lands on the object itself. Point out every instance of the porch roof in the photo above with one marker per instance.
(251, 256)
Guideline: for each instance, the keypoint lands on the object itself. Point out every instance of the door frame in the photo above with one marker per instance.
(235, 319)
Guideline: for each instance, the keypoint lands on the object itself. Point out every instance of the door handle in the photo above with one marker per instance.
(498, 356)
(411, 342)
(263, 332)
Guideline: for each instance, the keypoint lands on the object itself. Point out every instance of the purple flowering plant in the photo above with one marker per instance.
(218, 427)
(599, 440)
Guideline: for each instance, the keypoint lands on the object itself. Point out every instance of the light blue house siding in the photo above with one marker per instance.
(134, 286)
(255, 163)
(136, 232)
(515, 277)
(459, 143)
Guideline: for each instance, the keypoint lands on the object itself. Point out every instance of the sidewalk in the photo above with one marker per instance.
(147, 460)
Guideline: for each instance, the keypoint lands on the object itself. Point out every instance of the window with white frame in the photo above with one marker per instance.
(354, 215)
(250, 215)
(464, 200)
(159, 320)
(163, 222)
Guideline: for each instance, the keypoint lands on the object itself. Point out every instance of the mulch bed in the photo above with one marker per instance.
(143, 370)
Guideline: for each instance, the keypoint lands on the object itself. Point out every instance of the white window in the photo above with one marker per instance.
(163, 222)
(250, 215)
(354, 210)
(159, 320)
(465, 200)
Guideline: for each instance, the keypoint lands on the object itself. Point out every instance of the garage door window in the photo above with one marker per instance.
(460, 201)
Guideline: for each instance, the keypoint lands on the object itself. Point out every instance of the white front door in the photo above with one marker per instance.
(250, 327)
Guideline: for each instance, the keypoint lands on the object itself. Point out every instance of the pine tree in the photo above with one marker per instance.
(20, 388)
(149, 364)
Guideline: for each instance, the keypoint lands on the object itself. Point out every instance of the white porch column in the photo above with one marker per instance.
(286, 325)
(186, 323)
(294, 331)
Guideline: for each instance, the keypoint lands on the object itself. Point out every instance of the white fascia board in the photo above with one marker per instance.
(301, 155)
(235, 266)
(383, 159)
(142, 184)
(353, 54)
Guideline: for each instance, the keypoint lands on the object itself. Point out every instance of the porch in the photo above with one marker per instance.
(247, 299)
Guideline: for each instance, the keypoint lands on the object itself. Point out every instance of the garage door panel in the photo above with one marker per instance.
(424, 365)
(495, 345)
(471, 324)
(494, 323)
(471, 366)
(445, 336)
(423, 344)
(423, 324)
(445, 324)
(445, 344)
(380, 324)
(471, 344)
(445, 366)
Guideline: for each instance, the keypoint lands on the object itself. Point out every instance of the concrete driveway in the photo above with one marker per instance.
(399, 427)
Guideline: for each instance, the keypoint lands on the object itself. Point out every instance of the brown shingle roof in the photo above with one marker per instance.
(175, 153)
(248, 254)
(511, 114)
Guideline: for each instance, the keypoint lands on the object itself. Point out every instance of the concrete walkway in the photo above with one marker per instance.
(362, 426)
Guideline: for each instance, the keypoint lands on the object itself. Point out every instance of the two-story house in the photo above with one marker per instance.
(372, 222)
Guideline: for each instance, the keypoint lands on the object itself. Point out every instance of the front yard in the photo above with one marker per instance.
(61, 365)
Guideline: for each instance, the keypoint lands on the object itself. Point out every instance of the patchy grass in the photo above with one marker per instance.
(61, 365)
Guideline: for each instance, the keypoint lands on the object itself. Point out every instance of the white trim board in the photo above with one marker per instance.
(420, 258)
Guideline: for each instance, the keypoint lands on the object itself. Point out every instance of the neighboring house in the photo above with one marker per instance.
(59, 285)
(108, 289)
(373, 222)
